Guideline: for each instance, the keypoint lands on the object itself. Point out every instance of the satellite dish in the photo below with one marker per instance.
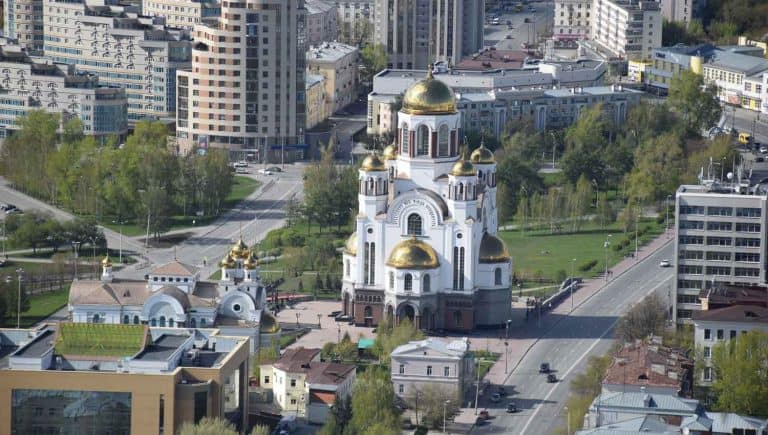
(730, 176)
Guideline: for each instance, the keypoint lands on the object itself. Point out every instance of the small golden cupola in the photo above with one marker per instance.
(429, 97)
(493, 250)
(251, 262)
(390, 152)
(228, 262)
(413, 254)
(482, 156)
(350, 247)
(373, 163)
(239, 249)
(463, 167)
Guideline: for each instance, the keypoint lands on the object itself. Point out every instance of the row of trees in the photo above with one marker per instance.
(217, 426)
(35, 229)
(721, 22)
(141, 179)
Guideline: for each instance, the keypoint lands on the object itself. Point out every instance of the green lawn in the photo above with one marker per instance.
(242, 187)
(88, 339)
(40, 307)
(542, 254)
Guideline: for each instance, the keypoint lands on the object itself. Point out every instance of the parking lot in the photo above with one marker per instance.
(330, 329)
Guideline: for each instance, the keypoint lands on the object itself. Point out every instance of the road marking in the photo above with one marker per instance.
(578, 361)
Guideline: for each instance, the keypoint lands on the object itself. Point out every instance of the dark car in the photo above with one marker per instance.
(484, 414)
(343, 318)
(274, 169)
(512, 408)
(502, 391)
(551, 378)
(334, 313)
(544, 368)
(759, 159)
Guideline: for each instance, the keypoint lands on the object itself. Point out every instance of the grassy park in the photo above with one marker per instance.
(40, 307)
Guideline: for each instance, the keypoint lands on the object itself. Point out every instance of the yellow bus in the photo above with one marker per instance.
(745, 138)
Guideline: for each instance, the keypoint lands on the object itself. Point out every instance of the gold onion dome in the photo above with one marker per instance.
(482, 155)
(493, 250)
(350, 247)
(429, 97)
(239, 249)
(228, 262)
(390, 152)
(252, 262)
(373, 163)
(413, 254)
(106, 262)
(463, 167)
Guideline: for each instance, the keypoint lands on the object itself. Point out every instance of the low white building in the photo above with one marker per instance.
(448, 365)
(731, 72)
(303, 385)
(712, 327)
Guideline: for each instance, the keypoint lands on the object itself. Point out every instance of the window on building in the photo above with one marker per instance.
(707, 373)
(446, 371)
(400, 388)
(414, 225)
(707, 334)
(391, 280)
(426, 285)
(444, 140)
(429, 370)
(402, 369)
(293, 382)
(457, 319)
(720, 334)
(707, 352)
(404, 139)
(733, 333)
(497, 276)
(408, 282)
(266, 379)
(423, 141)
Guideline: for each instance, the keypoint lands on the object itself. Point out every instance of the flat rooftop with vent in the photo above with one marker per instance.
(119, 378)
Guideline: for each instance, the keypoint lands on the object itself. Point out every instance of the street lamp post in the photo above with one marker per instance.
(508, 322)
(338, 334)
(606, 244)
(506, 357)
(19, 271)
(76, 245)
(637, 222)
(4, 236)
(568, 420)
(445, 404)
(666, 222)
(318, 321)
(297, 320)
(477, 387)
(120, 222)
(573, 281)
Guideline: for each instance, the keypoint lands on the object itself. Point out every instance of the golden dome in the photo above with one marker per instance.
(390, 152)
(429, 97)
(413, 254)
(463, 168)
(252, 262)
(106, 262)
(482, 156)
(239, 249)
(228, 262)
(373, 163)
(493, 250)
(350, 247)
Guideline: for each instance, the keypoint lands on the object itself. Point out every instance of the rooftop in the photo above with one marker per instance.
(647, 425)
(175, 268)
(162, 348)
(493, 59)
(647, 363)
(329, 52)
(296, 359)
(317, 6)
(639, 401)
(736, 62)
(455, 348)
(329, 373)
(100, 340)
(726, 295)
(734, 313)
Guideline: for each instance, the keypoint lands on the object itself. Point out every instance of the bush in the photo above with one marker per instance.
(561, 275)
(586, 267)
(276, 252)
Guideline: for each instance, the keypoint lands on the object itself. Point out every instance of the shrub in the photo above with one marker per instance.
(561, 275)
(586, 267)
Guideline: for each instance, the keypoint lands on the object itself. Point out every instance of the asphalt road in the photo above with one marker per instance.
(567, 347)
(748, 121)
(521, 31)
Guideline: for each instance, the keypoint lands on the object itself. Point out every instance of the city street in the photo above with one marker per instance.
(567, 345)
(747, 121)
(540, 22)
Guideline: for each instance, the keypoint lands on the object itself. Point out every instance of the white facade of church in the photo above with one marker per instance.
(425, 244)
(173, 296)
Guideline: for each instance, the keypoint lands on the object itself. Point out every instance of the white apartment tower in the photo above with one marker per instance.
(721, 238)
(245, 89)
(122, 48)
(23, 22)
(628, 29)
(419, 32)
(181, 13)
(572, 19)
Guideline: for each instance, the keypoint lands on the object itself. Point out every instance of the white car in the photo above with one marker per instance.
(665, 263)
(265, 172)
(764, 150)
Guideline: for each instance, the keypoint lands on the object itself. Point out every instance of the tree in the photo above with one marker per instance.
(338, 418)
(586, 145)
(740, 376)
(260, 429)
(513, 174)
(373, 410)
(429, 400)
(696, 103)
(659, 164)
(208, 426)
(374, 59)
(388, 338)
(642, 320)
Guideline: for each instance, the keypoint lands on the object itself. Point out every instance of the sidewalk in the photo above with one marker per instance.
(528, 333)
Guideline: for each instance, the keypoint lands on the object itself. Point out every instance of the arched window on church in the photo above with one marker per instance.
(426, 285)
(408, 282)
(414, 225)
(404, 140)
(162, 321)
(443, 140)
(171, 323)
(126, 319)
(95, 318)
(423, 141)
(346, 267)
(136, 320)
(391, 280)
(497, 276)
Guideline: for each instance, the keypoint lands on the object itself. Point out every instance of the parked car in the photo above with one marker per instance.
(665, 263)
(241, 171)
(764, 149)
(512, 408)
(263, 171)
(274, 169)
(241, 164)
(759, 159)
(343, 318)
(551, 378)
(496, 398)
(484, 414)
(13, 211)
(6, 207)
(544, 368)
(334, 313)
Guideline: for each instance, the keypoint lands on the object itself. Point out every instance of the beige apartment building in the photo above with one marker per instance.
(245, 89)
(355, 19)
(316, 100)
(322, 24)
(338, 64)
(23, 21)
(627, 29)
(122, 48)
(181, 13)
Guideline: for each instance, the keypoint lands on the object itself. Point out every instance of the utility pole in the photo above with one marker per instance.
(606, 244)
(506, 357)
(573, 281)
(637, 222)
(19, 271)
(477, 389)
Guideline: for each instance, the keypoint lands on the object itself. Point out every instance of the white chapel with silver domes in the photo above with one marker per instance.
(425, 245)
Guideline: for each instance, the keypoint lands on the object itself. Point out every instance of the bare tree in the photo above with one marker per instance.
(642, 320)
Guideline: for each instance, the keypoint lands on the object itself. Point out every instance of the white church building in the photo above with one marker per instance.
(425, 244)
(173, 296)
